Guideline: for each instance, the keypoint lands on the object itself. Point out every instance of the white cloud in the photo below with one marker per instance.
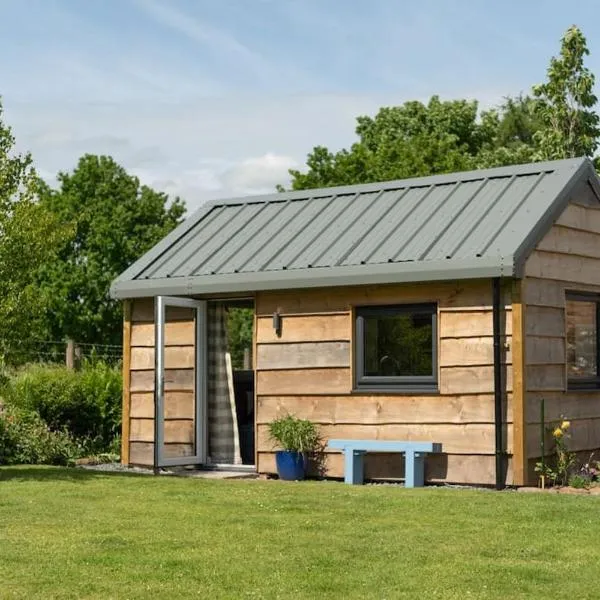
(258, 175)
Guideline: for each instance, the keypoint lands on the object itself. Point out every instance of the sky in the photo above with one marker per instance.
(217, 98)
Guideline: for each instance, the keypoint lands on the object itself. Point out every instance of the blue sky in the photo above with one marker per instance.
(213, 98)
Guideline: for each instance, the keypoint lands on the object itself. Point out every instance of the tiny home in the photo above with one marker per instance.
(440, 309)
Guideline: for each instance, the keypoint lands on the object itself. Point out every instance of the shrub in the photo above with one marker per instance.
(86, 403)
(26, 439)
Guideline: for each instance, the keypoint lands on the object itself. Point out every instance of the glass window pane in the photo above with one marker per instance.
(398, 345)
(581, 339)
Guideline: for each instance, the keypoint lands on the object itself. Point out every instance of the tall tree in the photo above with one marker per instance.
(417, 139)
(115, 220)
(566, 101)
(29, 236)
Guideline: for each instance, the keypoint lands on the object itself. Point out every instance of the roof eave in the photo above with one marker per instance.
(409, 272)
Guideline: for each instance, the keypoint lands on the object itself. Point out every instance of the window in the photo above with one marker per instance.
(583, 312)
(396, 348)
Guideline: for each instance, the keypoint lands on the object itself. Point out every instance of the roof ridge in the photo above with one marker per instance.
(420, 181)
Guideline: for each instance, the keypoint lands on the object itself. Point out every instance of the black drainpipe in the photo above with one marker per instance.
(496, 295)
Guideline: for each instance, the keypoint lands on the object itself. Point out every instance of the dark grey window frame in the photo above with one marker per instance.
(393, 384)
(584, 383)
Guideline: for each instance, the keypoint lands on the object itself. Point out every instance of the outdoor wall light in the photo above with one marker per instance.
(277, 324)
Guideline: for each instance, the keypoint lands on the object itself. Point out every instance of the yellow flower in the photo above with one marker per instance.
(558, 432)
(565, 425)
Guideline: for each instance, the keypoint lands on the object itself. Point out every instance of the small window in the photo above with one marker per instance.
(396, 348)
(582, 341)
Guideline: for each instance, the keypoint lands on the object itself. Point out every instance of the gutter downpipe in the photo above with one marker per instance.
(496, 298)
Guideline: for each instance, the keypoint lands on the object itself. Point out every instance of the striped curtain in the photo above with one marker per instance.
(223, 436)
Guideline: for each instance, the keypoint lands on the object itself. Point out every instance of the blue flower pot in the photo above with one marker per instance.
(290, 465)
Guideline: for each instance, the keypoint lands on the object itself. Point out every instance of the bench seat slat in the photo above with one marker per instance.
(384, 446)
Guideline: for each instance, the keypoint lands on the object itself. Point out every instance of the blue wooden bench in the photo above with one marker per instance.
(354, 453)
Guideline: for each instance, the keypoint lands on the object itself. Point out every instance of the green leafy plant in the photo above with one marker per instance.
(26, 439)
(86, 403)
(293, 434)
(579, 481)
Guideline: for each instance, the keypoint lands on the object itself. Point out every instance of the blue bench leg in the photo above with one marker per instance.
(354, 466)
(414, 469)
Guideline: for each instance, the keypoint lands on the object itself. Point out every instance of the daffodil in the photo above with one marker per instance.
(558, 432)
(565, 425)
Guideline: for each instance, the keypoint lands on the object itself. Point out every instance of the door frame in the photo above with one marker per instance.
(200, 382)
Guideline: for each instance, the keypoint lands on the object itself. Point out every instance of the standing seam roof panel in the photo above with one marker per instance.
(459, 230)
(494, 216)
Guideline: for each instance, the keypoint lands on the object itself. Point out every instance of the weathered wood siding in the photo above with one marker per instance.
(179, 382)
(567, 258)
(308, 372)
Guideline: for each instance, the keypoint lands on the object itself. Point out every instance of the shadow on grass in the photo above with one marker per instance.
(42, 473)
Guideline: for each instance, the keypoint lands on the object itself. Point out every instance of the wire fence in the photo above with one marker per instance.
(67, 352)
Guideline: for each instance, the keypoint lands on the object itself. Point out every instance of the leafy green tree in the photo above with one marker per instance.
(114, 220)
(417, 139)
(239, 333)
(565, 103)
(29, 236)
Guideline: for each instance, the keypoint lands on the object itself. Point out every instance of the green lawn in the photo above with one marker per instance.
(66, 533)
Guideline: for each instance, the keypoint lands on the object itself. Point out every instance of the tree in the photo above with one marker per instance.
(565, 103)
(417, 139)
(114, 221)
(29, 236)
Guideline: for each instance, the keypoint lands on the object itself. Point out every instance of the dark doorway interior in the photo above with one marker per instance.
(240, 323)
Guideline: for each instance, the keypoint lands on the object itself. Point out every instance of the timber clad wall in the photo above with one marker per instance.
(308, 372)
(179, 382)
(567, 259)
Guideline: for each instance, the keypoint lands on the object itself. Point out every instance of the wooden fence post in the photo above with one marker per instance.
(70, 354)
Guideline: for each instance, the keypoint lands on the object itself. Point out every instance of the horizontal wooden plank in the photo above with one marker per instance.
(175, 380)
(466, 294)
(176, 357)
(472, 380)
(472, 438)
(143, 310)
(177, 431)
(303, 355)
(562, 267)
(584, 435)
(178, 405)
(449, 468)
(142, 453)
(545, 377)
(376, 410)
(303, 382)
(471, 323)
(177, 333)
(471, 351)
(580, 217)
(567, 240)
(542, 320)
(314, 328)
(544, 350)
(544, 292)
(571, 405)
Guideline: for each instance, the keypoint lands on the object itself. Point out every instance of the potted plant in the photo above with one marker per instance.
(297, 438)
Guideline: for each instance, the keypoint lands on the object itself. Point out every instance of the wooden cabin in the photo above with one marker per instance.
(441, 309)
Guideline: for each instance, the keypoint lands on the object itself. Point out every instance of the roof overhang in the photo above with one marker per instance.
(408, 272)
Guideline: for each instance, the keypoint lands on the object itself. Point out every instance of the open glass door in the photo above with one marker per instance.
(180, 382)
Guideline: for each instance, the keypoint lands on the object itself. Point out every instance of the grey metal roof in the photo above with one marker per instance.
(458, 226)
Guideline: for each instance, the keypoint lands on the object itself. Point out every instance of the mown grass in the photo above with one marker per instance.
(67, 533)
